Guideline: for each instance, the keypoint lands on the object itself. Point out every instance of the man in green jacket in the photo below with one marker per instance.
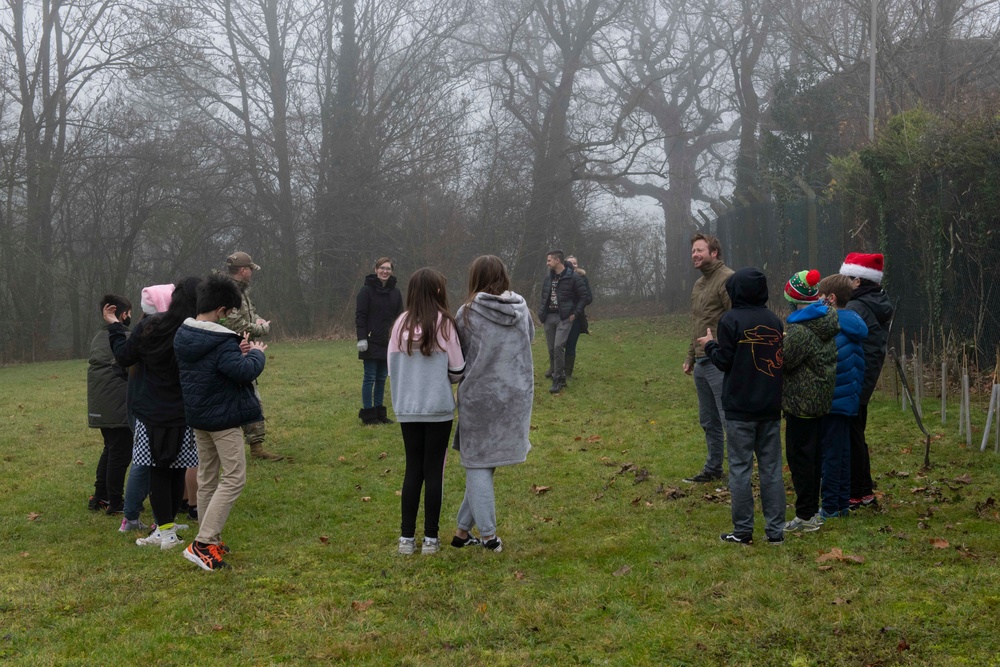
(246, 323)
(709, 300)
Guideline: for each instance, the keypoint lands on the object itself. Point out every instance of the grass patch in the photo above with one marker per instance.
(619, 563)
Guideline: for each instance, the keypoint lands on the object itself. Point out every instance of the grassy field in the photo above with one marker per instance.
(618, 563)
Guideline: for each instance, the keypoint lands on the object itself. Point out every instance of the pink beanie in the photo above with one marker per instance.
(156, 298)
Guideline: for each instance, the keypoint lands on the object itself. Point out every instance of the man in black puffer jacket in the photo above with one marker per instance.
(217, 372)
(871, 302)
(563, 298)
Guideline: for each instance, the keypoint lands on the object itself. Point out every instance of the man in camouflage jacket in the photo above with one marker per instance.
(246, 323)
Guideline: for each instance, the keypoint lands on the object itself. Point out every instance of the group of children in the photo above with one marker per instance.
(179, 406)
(820, 372)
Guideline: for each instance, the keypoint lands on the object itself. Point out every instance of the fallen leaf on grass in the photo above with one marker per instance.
(539, 490)
(905, 450)
(218, 628)
(636, 501)
(481, 608)
(824, 568)
(366, 499)
(361, 606)
(622, 571)
(641, 475)
(543, 519)
(342, 459)
(324, 539)
(578, 438)
(34, 516)
(964, 479)
(24, 554)
(987, 507)
(519, 575)
(837, 554)
(79, 462)
(399, 493)
(840, 601)
(382, 456)
(594, 438)
(670, 492)
(939, 543)
(902, 646)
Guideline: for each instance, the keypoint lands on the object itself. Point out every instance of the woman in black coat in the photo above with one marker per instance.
(379, 304)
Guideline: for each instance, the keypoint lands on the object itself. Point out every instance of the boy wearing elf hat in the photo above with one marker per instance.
(871, 302)
(810, 373)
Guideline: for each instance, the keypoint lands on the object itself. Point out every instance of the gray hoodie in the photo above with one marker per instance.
(495, 397)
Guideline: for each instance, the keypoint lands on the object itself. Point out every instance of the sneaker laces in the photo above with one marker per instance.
(216, 551)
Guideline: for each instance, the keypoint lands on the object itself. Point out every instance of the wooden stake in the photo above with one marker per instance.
(944, 392)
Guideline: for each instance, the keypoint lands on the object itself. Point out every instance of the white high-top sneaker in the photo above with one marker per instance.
(169, 539)
(151, 540)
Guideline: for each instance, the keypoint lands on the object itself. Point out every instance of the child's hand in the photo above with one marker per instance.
(108, 312)
(707, 337)
(257, 345)
(245, 343)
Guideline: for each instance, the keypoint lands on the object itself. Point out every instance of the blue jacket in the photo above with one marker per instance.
(850, 363)
(216, 379)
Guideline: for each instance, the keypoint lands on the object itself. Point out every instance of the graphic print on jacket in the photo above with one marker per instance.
(765, 348)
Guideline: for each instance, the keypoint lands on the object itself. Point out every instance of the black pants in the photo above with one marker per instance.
(166, 488)
(111, 467)
(426, 445)
(861, 465)
(802, 449)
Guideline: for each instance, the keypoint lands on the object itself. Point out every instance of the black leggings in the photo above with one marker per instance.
(166, 488)
(426, 445)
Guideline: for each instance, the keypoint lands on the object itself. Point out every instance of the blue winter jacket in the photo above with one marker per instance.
(850, 363)
(216, 378)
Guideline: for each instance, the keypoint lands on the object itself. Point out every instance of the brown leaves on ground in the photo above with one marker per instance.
(34, 516)
(670, 492)
(987, 509)
(837, 555)
(963, 479)
(324, 539)
(519, 575)
(594, 438)
(539, 490)
(622, 571)
(939, 543)
(359, 606)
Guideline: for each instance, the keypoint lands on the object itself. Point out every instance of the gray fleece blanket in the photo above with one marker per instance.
(495, 397)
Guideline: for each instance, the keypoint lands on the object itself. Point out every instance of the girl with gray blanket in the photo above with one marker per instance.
(495, 396)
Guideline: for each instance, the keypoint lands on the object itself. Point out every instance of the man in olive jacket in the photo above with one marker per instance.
(709, 301)
(564, 296)
(106, 392)
(241, 267)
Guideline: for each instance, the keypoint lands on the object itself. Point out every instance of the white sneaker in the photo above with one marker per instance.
(407, 545)
(797, 525)
(431, 545)
(180, 526)
(169, 539)
(151, 540)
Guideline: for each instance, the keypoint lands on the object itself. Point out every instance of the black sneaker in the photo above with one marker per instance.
(733, 538)
(192, 513)
(703, 478)
(469, 541)
(776, 541)
(494, 545)
(557, 385)
(115, 508)
(95, 504)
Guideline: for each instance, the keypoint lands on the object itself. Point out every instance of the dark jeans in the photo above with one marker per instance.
(166, 488)
(117, 454)
(861, 466)
(802, 449)
(711, 416)
(426, 445)
(763, 440)
(373, 385)
(136, 491)
(836, 446)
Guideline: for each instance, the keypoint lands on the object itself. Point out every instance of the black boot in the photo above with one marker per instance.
(570, 362)
(368, 415)
(381, 416)
(557, 385)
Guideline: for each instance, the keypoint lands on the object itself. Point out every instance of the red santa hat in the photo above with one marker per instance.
(861, 265)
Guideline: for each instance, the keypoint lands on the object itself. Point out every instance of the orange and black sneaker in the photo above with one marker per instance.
(206, 556)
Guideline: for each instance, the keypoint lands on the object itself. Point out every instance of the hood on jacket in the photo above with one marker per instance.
(506, 309)
(195, 339)
(820, 318)
(747, 288)
(372, 281)
(876, 300)
(852, 326)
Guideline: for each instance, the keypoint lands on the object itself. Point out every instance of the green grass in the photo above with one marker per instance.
(599, 570)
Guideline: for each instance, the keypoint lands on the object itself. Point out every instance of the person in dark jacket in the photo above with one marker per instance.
(217, 372)
(747, 348)
(379, 303)
(810, 368)
(107, 383)
(835, 440)
(871, 302)
(580, 324)
(563, 298)
(162, 439)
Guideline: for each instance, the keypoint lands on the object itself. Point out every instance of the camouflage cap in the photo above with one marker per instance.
(240, 259)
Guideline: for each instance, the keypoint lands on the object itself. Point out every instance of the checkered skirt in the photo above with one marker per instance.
(141, 456)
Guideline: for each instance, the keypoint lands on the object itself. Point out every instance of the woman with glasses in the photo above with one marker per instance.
(379, 304)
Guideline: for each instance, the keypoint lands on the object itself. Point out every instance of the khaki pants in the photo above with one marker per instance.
(222, 474)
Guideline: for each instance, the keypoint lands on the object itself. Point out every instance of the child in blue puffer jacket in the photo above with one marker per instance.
(217, 370)
(835, 439)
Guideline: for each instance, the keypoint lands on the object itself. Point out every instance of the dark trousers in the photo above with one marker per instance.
(426, 445)
(861, 465)
(166, 488)
(802, 450)
(836, 463)
(111, 467)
